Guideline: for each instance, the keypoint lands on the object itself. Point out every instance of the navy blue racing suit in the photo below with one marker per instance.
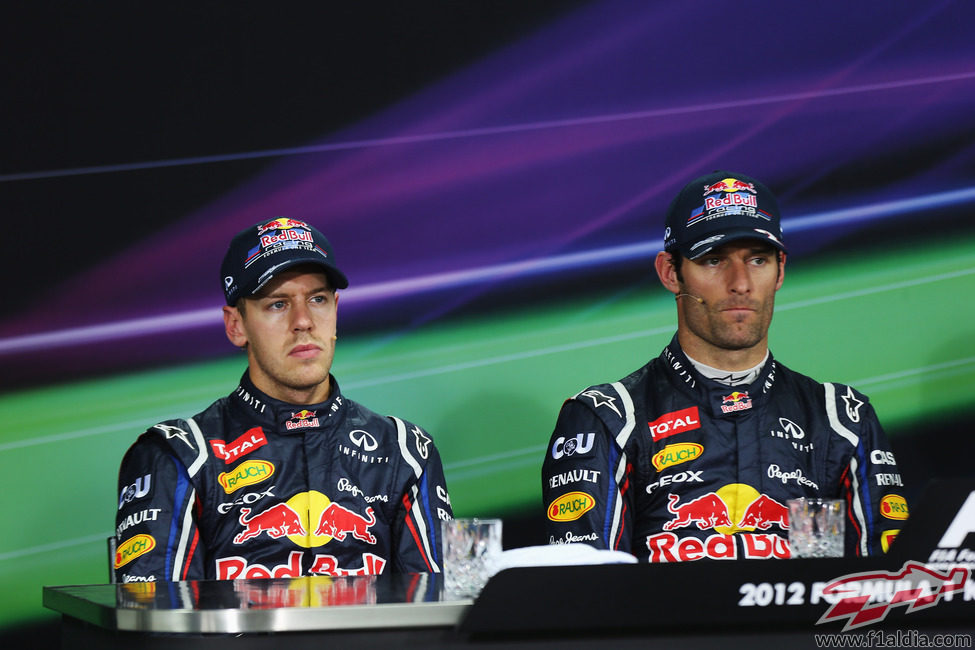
(253, 487)
(671, 466)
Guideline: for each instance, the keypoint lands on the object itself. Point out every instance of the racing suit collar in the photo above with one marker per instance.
(723, 401)
(286, 418)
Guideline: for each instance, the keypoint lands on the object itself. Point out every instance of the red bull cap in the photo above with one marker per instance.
(258, 253)
(718, 208)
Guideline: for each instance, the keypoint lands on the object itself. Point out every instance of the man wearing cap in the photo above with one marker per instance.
(695, 454)
(285, 476)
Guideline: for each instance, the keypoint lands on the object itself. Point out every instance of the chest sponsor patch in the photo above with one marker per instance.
(675, 422)
(247, 473)
(245, 444)
(676, 454)
(736, 401)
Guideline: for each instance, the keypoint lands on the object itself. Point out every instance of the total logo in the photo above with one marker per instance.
(309, 519)
(676, 422)
(736, 401)
(251, 440)
(301, 420)
(734, 511)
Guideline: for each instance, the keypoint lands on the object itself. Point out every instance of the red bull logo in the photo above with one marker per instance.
(329, 565)
(238, 568)
(277, 521)
(302, 419)
(728, 185)
(281, 223)
(308, 519)
(705, 512)
(338, 521)
(731, 503)
(295, 235)
(736, 401)
(330, 593)
(734, 511)
(668, 547)
(763, 513)
(132, 548)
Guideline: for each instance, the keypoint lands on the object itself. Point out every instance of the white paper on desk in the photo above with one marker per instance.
(559, 555)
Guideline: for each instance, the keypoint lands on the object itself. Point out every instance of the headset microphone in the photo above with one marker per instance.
(700, 300)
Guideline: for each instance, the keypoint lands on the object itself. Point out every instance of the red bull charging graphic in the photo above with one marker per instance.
(309, 519)
(737, 513)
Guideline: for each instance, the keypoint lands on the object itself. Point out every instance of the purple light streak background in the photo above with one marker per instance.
(568, 142)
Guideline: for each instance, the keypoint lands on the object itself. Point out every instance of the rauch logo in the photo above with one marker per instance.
(133, 548)
(247, 473)
(571, 506)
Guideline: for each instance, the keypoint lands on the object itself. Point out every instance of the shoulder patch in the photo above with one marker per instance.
(853, 404)
(601, 399)
(174, 433)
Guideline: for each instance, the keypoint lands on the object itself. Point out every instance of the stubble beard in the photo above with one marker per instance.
(742, 333)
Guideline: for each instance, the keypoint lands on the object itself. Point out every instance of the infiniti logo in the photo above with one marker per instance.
(363, 440)
(792, 428)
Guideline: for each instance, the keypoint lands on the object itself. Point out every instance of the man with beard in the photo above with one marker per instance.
(286, 476)
(695, 454)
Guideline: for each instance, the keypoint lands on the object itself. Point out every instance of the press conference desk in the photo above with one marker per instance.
(731, 604)
(726, 604)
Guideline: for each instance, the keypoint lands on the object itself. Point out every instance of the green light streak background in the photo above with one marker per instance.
(897, 325)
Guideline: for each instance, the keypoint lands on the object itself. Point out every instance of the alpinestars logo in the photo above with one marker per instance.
(915, 586)
(599, 399)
